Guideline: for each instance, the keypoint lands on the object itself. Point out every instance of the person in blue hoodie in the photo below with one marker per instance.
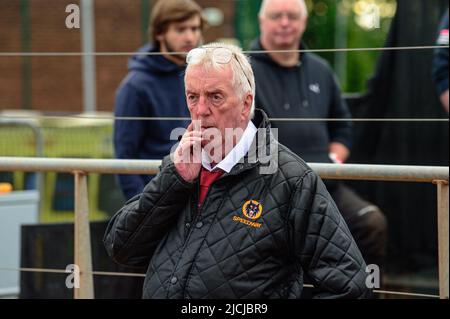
(154, 88)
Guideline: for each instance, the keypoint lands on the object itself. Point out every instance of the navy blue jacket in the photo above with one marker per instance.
(154, 87)
(440, 64)
(308, 90)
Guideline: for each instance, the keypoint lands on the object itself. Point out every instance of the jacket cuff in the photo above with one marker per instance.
(171, 167)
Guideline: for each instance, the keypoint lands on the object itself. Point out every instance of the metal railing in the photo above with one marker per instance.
(80, 167)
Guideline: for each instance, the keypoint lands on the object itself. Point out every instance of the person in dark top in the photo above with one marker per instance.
(302, 85)
(154, 88)
(440, 63)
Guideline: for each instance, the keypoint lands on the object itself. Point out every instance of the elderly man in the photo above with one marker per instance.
(220, 226)
(302, 85)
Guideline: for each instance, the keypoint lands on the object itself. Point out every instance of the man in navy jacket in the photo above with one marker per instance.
(301, 85)
(154, 88)
(440, 63)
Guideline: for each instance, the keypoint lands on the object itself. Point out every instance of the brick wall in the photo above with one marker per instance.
(10, 80)
(56, 83)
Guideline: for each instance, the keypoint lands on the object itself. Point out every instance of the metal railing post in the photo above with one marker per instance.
(82, 249)
(443, 237)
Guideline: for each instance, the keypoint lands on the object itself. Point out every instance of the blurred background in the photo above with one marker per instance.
(377, 84)
(55, 83)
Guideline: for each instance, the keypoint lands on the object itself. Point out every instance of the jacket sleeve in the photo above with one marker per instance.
(440, 62)
(128, 135)
(323, 245)
(340, 131)
(134, 232)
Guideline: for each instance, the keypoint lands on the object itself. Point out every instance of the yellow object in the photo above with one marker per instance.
(5, 188)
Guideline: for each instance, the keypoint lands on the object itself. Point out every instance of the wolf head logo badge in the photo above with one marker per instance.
(252, 209)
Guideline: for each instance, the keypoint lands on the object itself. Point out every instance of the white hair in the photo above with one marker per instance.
(240, 66)
(302, 3)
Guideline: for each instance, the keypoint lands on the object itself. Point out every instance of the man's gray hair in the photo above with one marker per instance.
(240, 66)
(302, 3)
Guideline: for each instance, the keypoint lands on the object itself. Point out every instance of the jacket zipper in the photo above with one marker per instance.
(189, 232)
(197, 213)
(193, 222)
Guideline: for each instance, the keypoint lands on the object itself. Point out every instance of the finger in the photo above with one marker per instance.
(191, 140)
(197, 125)
(190, 149)
(191, 137)
(188, 135)
(187, 144)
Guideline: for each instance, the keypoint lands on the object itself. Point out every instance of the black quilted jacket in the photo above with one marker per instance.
(256, 235)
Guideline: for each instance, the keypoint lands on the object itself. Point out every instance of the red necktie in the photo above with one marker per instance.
(206, 179)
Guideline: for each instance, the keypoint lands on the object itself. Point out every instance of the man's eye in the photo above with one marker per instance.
(192, 98)
(275, 16)
(216, 99)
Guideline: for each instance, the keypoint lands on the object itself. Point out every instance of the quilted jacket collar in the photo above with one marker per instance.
(264, 148)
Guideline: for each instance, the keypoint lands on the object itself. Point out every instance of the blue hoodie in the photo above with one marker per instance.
(154, 87)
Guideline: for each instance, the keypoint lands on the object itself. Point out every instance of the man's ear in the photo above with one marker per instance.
(160, 38)
(248, 102)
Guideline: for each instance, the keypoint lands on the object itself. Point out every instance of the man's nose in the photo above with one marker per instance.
(190, 36)
(284, 20)
(202, 107)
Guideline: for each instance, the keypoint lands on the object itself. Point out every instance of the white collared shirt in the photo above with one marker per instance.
(235, 155)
